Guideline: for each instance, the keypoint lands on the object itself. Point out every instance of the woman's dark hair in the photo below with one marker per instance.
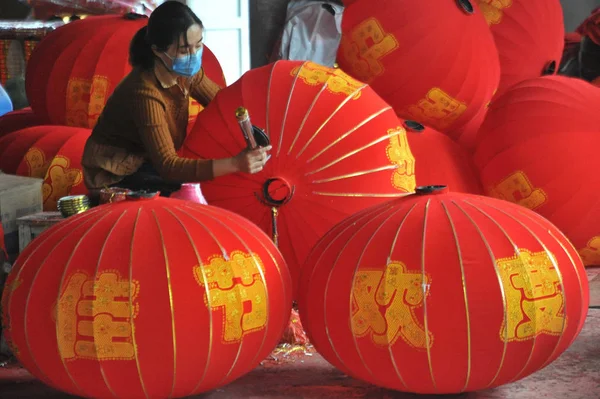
(167, 23)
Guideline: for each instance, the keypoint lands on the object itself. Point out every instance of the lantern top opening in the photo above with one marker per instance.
(413, 126)
(434, 189)
(466, 5)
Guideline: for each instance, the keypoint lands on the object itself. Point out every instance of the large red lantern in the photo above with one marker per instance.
(18, 120)
(538, 147)
(443, 293)
(437, 65)
(337, 148)
(146, 298)
(52, 153)
(438, 158)
(74, 70)
(529, 35)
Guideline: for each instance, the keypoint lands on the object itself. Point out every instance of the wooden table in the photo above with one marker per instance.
(31, 226)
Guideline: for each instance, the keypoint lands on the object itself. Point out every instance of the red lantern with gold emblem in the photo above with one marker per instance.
(529, 35)
(337, 148)
(74, 70)
(538, 148)
(52, 153)
(17, 120)
(443, 293)
(149, 297)
(437, 65)
(438, 158)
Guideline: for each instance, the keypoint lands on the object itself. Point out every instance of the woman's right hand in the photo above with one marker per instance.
(252, 161)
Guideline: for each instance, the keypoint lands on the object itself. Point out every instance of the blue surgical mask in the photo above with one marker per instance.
(188, 65)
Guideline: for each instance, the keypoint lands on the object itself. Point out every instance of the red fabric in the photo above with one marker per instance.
(529, 35)
(337, 145)
(183, 298)
(74, 70)
(437, 65)
(428, 294)
(17, 120)
(538, 147)
(52, 153)
(441, 161)
(591, 26)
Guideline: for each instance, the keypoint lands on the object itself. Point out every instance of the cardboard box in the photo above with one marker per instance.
(19, 196)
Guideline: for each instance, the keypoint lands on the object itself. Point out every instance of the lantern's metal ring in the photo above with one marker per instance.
(413, 126)
(430, 189)
(550, 68)
(466, 5)
(268, 199)
(261, 138)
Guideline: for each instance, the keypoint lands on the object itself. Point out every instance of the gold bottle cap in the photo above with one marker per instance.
(241, 113)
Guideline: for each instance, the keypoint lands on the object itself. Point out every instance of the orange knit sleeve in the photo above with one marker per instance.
(203, 89)
(149, 114)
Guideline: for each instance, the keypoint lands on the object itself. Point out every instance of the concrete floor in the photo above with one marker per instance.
(575, 375)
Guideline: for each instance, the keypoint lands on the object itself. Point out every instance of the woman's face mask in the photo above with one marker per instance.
(187, 65)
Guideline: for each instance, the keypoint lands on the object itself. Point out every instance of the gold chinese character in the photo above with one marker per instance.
(60, 180)
(336, 80)
(534, 299)
(518, 189)
(493, 10)
(398, 152)
(194, 110)
(94, 317)
(365, 46)
(85, 100)
(438, 109)
(36, 162)
(235, 286)
(591, 253)
(400, 292)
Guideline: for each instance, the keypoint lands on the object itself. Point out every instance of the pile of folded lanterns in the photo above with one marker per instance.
(417, 194)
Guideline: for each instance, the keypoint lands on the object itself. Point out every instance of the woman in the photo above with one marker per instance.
(144, 122)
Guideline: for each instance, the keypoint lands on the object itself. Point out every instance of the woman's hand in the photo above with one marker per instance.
(252, 161)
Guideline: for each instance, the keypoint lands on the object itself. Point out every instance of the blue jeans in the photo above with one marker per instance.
(147, 178)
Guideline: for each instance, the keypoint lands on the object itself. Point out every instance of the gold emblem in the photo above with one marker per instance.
(36, 162)
(384, 305)
(337, 81)
(398, 152)
(591, 253)
(85, 100)
(518, 189)
(194, 110)
(94, 317)
(235, 285)
(534, 298)
(60, 180)
(364, 48)
(438, 109)
(493, 10)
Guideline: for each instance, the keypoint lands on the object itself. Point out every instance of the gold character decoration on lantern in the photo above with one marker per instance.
(94, 317)
(534, 297)
(365, 46)
(337, 81)
(85, 100)
(438, 109)
(493, 10)
(60, 179)
(591, 253)
(398, 152)
(36, 162)
(235, 285)
(384, 304)
(517, 188)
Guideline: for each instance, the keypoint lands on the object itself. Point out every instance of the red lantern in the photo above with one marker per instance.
(148, 298)
(529, 35)
(538, 147)
(438, 158)
(443, 293)
(437, 65)
(18, 120)
(74, 70)
(337, 148)
(52, 153)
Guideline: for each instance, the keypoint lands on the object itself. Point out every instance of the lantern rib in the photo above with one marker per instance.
(131, 315)
(268, 98)
(356, 174)
(465, 295)
(372, 195)
(66, 225)
(112, 229)
(424, 276)
(552, 258)
(88, 228)
(581, 290)
(287, 109)
(208, 300)
(171, 304)
(364, 122)
(500, 282)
